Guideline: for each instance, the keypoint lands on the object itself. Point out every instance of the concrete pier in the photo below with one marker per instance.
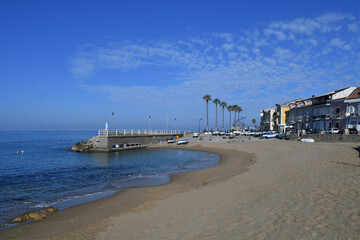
(108, 141)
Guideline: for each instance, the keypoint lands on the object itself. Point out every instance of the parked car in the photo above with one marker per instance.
(195, 135)
(309, 131)
(332, 130)
(351, 131)
(281, 136)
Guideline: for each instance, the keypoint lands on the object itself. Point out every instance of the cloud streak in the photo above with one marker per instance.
(273, 62)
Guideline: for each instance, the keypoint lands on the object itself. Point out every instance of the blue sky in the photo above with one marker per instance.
(66, 65)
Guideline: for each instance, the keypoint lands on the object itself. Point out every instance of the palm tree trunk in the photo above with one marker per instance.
(223, 120)
(234, 118)
(207, 116)
(216, 118)
(230, 121)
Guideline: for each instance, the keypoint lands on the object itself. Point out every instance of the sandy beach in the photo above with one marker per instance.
(260, 190)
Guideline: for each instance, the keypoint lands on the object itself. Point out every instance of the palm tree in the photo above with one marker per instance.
(207, 98)
(239, 111)
(223, 105)
(216, 101)
(254, 121)
(229, 108)
(235, 109)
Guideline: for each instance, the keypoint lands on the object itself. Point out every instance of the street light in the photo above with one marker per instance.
(199, 123)
(112, 120)
(242, 119)
(149, 122)
(175, 124)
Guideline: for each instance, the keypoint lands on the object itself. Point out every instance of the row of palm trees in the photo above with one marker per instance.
(223, 105)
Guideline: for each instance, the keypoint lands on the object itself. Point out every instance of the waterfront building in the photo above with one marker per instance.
(338, 107)
(300, 115)
(352, 114)
(322, 117)
(281, 117)
(266, 119)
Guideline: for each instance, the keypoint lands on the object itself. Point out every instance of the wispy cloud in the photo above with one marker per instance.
(283, 58)
(337, 42)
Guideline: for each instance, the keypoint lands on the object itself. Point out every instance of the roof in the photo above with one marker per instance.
(354, 94)
(330, 93)
(286, 104)
(343, 94)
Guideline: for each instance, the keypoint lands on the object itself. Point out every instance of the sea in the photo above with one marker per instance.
(37, 170)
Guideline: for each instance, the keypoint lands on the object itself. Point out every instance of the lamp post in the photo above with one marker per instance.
(112, 120)
(242, 119)
(175, 124)
(199, 123)
(149, 122)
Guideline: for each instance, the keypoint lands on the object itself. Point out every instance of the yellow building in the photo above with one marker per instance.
(281, 117)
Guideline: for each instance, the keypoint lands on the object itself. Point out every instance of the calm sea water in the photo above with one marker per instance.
(47, 174)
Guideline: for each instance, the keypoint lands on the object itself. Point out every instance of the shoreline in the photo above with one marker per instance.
(72, 222)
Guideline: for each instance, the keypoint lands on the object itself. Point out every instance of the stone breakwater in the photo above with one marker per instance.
(87, 145)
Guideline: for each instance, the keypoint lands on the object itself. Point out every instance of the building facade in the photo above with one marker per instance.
(301, 115)
(281, 117)
(352, 114)
(321, 108)
(266, 119)
(338, 107)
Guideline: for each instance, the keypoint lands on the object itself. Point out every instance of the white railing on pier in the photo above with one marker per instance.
(126, 132)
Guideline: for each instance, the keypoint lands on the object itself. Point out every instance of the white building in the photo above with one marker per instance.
(353, 110)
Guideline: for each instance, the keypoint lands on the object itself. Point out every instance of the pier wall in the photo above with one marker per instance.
(329, 137)
(106, 142)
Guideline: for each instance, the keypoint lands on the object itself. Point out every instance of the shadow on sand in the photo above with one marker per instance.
(351, 164)
(357, 149)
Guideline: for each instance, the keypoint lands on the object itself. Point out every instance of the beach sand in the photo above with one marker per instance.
(260, 190)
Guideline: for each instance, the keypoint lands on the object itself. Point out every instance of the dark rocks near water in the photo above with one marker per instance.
(85, 146)
(36, 215)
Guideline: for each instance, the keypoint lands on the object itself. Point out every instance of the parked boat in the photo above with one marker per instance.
(269, 135)
(184, 141)
(171, 140)
(310, 140)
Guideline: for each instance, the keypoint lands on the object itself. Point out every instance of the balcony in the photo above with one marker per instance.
(322, 103)
(352, 114)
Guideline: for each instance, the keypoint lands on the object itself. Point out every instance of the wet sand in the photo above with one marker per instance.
(260, 190)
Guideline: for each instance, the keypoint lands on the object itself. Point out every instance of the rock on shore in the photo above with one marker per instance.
(85, 146)
(36, 215)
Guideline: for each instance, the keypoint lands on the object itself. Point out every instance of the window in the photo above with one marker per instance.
(351, 109)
